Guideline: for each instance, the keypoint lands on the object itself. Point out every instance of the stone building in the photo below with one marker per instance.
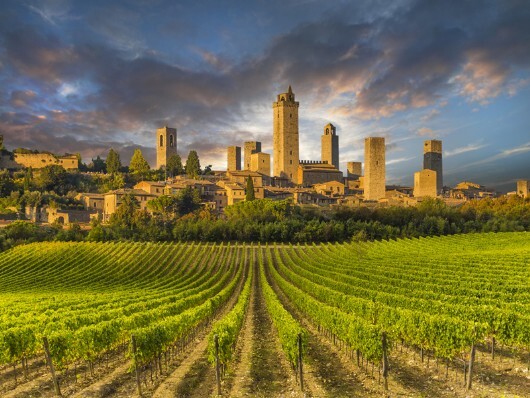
(425, 183)
(355, 170)
(114, 198)
(285, 136)
(374, 168)
(251, 147)
(330, 145)
(523, 188)
(432, 160)
(234, 158)
(153, 187)
(92, 201)
(166, 145)
(312, 172)
(330, 188)
(261, 163)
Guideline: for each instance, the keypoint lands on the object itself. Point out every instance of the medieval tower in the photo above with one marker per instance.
(432, 160)
(166, 145)
(233, 158)
(251, 147)
(374, 168)
(330, 145)
(285, 136)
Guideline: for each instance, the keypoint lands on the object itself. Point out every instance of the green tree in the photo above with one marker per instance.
(189, 200)
(138, 163)
(113, 163)
(193, 166)
(123, 217)
(98, 165)
(54, 178)
(174, 165)
(167, 206)
(7, 184)
(28, 179)
(250, 189)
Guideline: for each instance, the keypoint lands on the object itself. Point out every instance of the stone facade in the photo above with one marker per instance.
(234, 158)
(374, 168)
(39, 161)
(523, 188)
(330, 188)
(330, 145)
(251, 147)
(285, 137)
(425, 183)
(112, 200)
(261, 163)
(311, 173)
(166, 145)
(355, 170)
(432, 160)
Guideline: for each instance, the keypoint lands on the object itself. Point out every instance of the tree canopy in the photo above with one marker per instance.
(174, 165)
(113, 163)
(193, 166)
(138, 163)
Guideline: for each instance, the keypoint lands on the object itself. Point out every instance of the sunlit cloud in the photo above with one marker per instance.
(464, 149)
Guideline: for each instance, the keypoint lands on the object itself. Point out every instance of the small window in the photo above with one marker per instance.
(171, 140)
(290, 115)
(290, 152)
(161, 140)
(290, 162)
(327, 131)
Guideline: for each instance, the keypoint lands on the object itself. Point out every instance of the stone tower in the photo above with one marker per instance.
(261, 162)
(250, 148)
(374, 168)
(523, 188)
(233, 158)
(425, 183)
(432, 160)
(355, 169)
(166, 145)
(285, 136)
(330, 145)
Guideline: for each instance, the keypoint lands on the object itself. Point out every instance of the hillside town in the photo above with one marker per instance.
(317, 182)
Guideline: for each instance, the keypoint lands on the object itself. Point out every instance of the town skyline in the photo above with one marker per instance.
(83, 78)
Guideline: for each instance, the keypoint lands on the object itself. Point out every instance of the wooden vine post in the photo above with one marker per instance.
(50, 364)
(471, 360)
(136, 370)
(300, 369)
(385, 361)
(217, 365)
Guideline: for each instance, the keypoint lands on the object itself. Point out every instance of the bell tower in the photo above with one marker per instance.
(166, 145)
(285, 136)
(330, 145)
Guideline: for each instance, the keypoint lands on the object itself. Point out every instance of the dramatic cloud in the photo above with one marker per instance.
(110, 75)
(464, 149)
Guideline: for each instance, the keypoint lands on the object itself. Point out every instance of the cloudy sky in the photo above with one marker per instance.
(85, 76)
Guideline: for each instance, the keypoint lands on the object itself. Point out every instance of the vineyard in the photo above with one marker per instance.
(438, 317)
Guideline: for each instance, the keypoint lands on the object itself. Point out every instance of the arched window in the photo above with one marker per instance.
(171, 140)
(161, 140)
(327, 131)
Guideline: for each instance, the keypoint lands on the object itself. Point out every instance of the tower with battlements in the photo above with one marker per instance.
(432, 160)
(166, 145)
(330, 145)
(285, 136)
(374, 168)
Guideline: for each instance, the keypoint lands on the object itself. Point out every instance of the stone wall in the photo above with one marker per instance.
(355, 170)
(261, 162)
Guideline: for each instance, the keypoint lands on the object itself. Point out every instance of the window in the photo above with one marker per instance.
(290, 162)
(290, 152)
(171, 140)
(327, 131)
(161, 140)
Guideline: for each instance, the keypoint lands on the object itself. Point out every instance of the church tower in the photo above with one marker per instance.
(166, 145)
(285, 136)
(330, 145)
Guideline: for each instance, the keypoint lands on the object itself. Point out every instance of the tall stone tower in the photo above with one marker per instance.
(285, 136)
(330, 145)
(432, 160)
(374, 168)
(166, 145)
(250, 148)
(233, 158)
